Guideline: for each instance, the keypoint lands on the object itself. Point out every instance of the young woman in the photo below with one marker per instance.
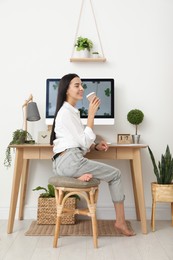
(72, 141)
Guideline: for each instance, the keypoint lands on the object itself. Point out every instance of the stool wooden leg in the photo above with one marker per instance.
(96, 195)
(96, 198)
(57, 229)
(92, 209)
(59, 197)
(90, 195)
(94, 228)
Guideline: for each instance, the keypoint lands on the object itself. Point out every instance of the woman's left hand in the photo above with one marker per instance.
(102, 146)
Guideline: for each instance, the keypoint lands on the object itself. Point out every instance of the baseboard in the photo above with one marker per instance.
(162, 213)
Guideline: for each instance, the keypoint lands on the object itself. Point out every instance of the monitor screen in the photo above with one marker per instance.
(104, 89)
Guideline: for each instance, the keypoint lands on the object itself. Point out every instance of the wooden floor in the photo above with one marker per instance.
(155, 245)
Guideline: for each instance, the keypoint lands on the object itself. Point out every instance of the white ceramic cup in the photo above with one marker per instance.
(90, 96)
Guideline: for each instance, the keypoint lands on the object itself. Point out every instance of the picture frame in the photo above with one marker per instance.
(124, 139)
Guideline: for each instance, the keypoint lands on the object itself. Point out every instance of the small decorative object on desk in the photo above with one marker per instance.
(135, 117)
(47, 212)
(44, 137)
(124, 139)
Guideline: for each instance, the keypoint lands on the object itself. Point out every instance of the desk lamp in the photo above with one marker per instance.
(31, 112)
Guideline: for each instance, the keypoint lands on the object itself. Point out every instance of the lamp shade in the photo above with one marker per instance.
(32, 112)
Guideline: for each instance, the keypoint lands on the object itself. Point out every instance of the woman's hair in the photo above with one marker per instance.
(62, 90)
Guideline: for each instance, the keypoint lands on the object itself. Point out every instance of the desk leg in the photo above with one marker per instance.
(15, 188)
(23, 187)
(138, 182)
(134, 192)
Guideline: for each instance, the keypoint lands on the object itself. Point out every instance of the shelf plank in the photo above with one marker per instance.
(87, 59)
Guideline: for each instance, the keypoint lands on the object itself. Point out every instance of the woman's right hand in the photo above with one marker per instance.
(92, 110)
(93, 106)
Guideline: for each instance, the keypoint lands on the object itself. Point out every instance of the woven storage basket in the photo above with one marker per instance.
(47, 213)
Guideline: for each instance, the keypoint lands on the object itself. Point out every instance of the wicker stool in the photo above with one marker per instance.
(67, 186)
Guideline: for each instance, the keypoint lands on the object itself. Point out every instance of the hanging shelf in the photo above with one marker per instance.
(77, 59)
(87, 59)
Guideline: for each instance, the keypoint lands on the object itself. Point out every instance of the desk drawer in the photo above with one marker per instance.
(110, 154)
(125, 153)
(46, 153)
(37, 153)
(31, 153)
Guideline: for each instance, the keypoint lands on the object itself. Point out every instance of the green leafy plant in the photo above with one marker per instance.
(83, 43)
(19, 136)
(135, 117)
(50, 192)
(95, 52)
(164, 170)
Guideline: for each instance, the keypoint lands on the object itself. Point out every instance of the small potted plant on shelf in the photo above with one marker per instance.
(95, 54)
(84, 46)
(19, 136)
(162, 190)
(135, 117)
(47, 212)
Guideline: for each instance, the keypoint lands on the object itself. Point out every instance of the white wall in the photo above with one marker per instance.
(36, 43)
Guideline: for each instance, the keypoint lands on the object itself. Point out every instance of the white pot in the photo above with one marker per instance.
(84, 53)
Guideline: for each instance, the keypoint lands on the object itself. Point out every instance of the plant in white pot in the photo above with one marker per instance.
(95, 54)
(135, 117)
(162, 190)
(84, 46)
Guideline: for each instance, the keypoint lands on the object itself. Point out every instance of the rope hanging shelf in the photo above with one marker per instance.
(88, 59)
(92, 59)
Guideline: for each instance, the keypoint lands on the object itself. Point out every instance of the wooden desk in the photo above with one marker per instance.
(27, 152)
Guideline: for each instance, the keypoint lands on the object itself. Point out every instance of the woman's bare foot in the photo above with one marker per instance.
(85, 177)
(123, 229)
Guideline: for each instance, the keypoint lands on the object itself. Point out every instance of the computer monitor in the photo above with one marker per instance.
(104, 89)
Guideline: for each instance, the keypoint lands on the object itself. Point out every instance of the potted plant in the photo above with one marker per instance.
(47, 212)
(162, 190)
(84, 46)
(135, 117)
(19, 136)
(164, 170)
